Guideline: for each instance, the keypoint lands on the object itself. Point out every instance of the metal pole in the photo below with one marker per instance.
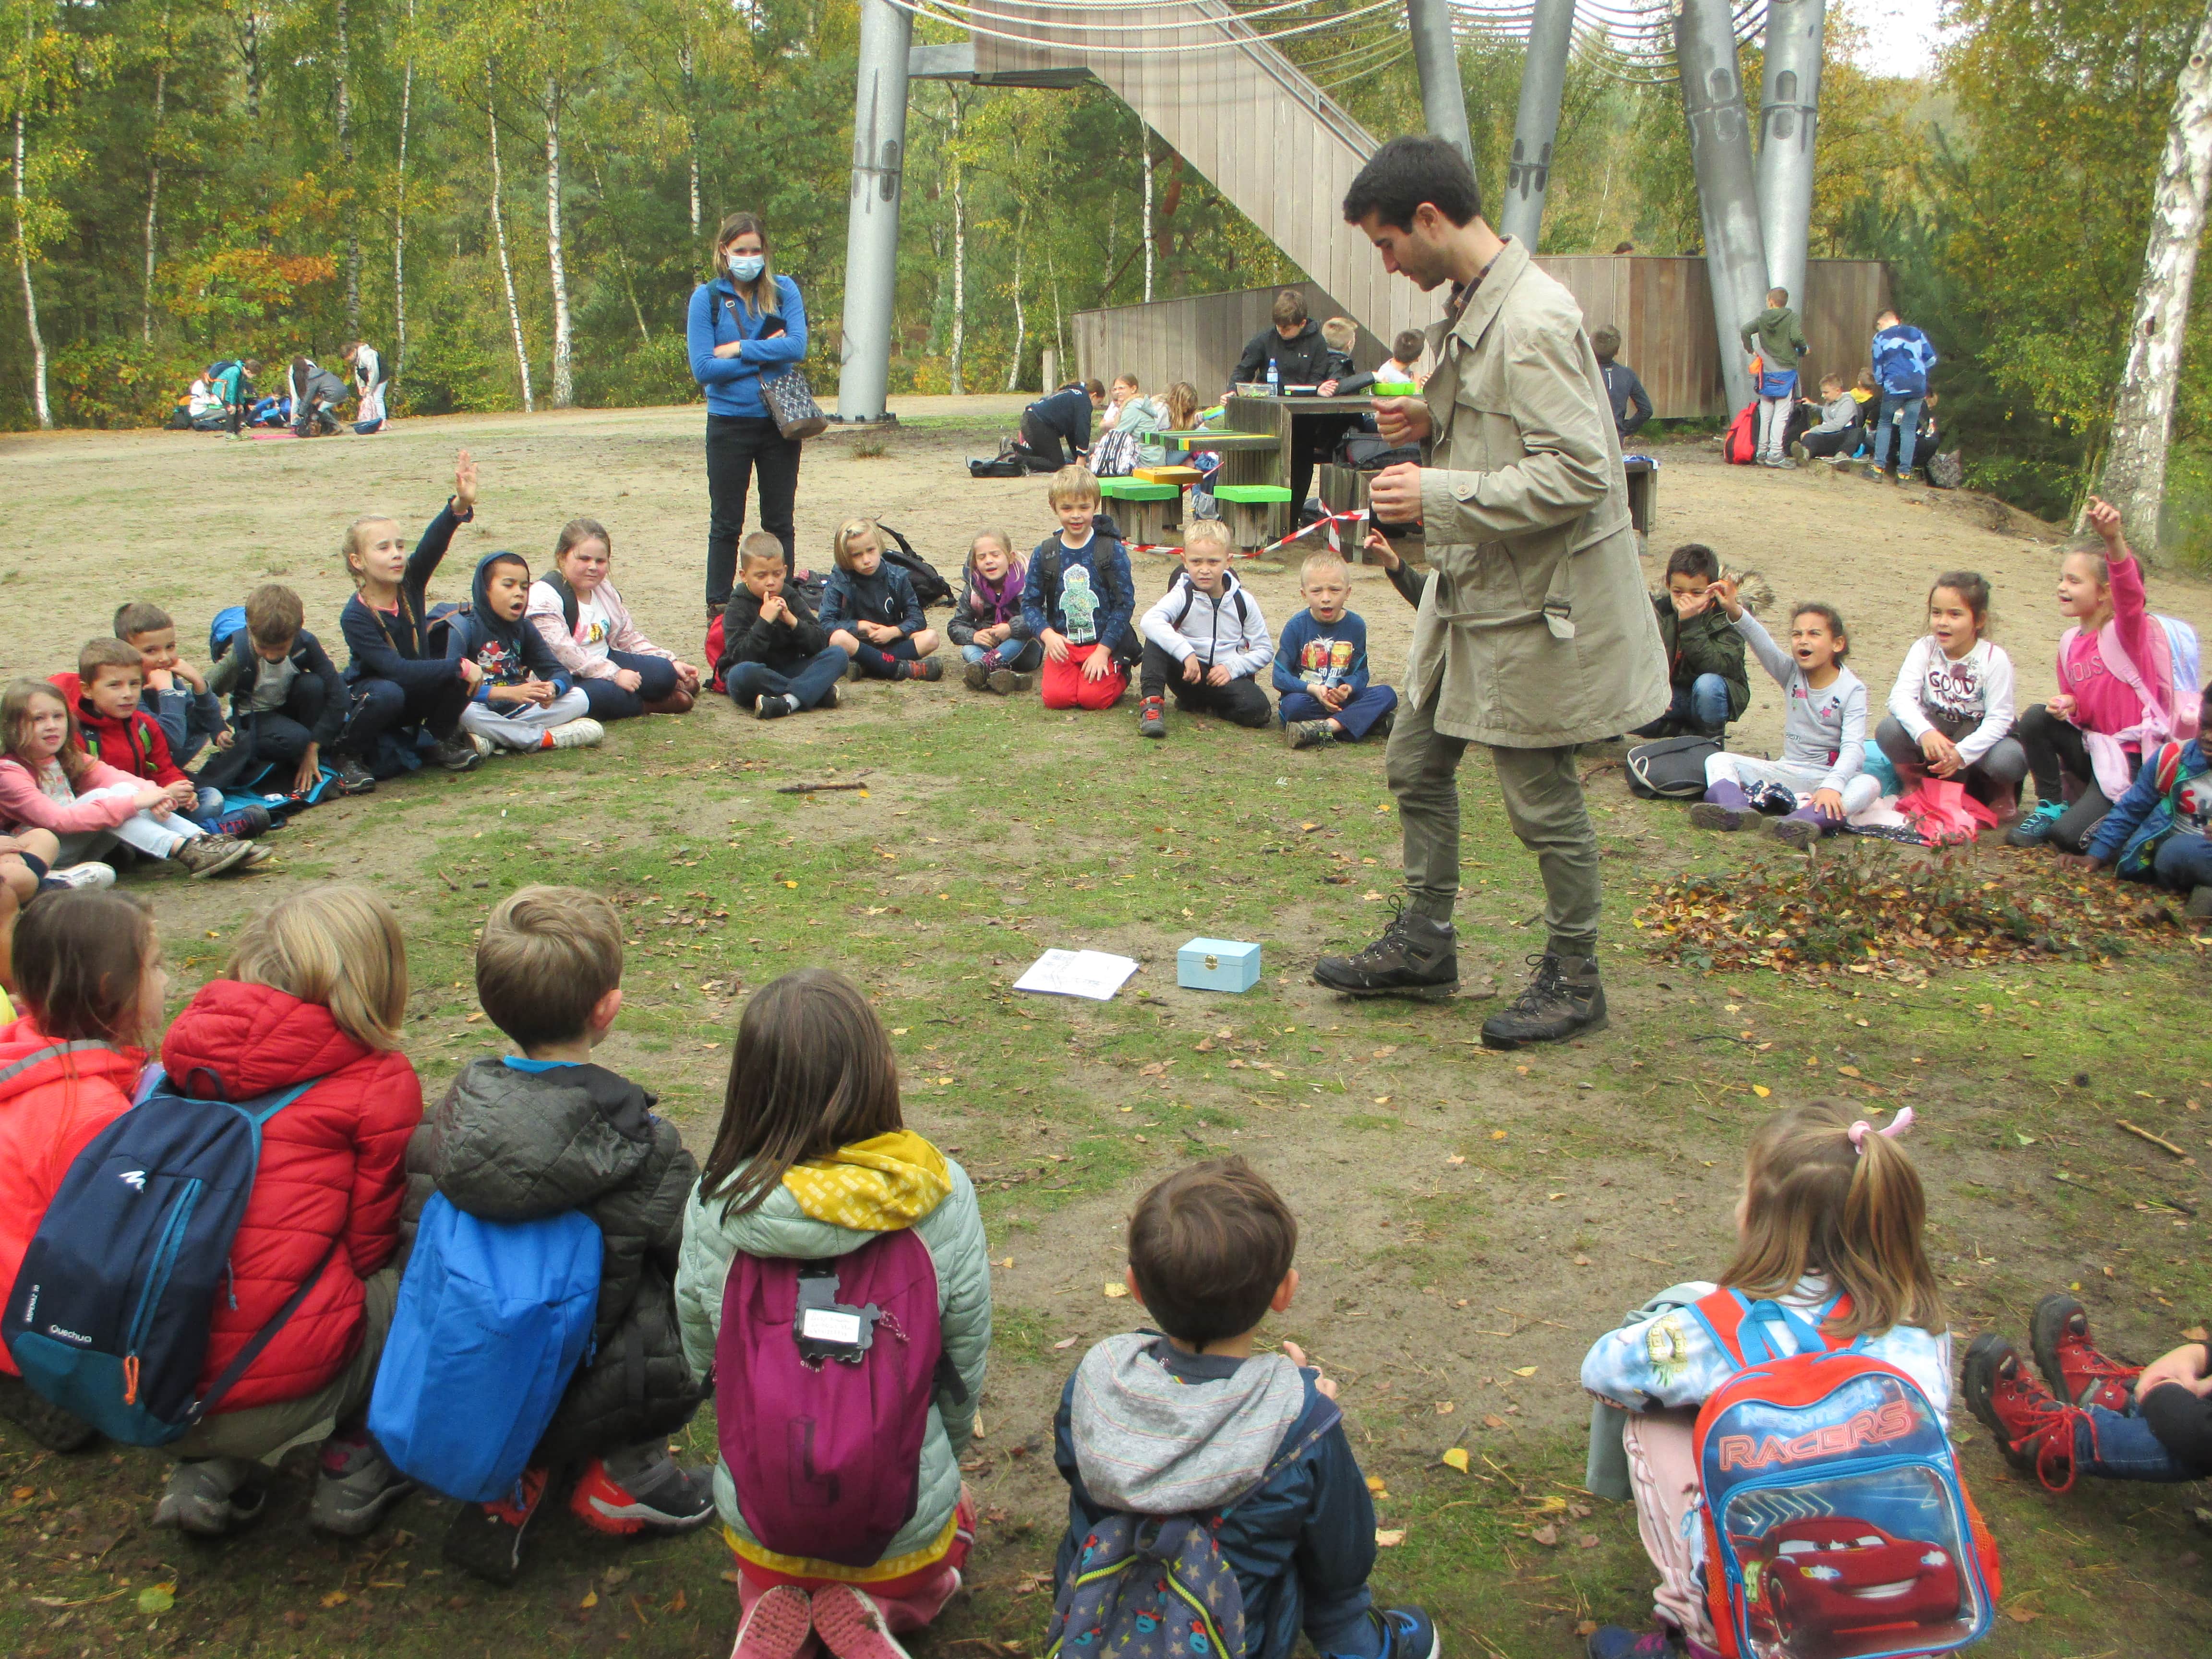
(1789, 111)
(1436, 57)
(872, 230)
(1543, 83)
(1720, 154)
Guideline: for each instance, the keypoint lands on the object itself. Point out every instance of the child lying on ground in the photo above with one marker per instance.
(1206, 637)
(521, 700)
(776, 657)
(1320, 664)
(177, 695)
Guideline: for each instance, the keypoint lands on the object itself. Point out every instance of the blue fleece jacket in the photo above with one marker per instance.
(884, 595)
(1901, 360)
(717, 316)
(397, 647)
(2147, 808)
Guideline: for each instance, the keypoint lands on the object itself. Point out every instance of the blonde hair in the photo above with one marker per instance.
(1817, 1203)
(1183, 406)
(761, 300)
(338, 946)
(1211, 531)
(1071, 485)
(1340, 332)
(351, 544)
(1004, 546)
(840, 544)
(1324, 560)
(547, 955)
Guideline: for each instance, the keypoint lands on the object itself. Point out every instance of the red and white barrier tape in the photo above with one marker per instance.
(1335, 542)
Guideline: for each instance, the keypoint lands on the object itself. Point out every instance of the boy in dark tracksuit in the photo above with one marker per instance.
(400, 678)
(1193, 1422)
(288, 700)
(1705, 652)
(1062, 418)
(776, 656)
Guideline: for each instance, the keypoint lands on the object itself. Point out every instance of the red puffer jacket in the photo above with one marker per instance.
(333, 1168)
(54, 1097)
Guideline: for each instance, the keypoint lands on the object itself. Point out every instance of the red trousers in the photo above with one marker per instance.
(1065, 685)
(909, 1603)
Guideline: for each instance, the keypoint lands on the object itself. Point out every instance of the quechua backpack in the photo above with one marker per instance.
(1157, 1586)
(1741, 446)
(930, 587)
(1836, 1523)
(824, 1375)
(493, 1319)
(1671, 768)
(108, 1317)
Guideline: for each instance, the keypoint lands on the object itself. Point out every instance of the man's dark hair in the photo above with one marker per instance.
(1408, 172)
(1606, 342)
(1694, 559)
(1209, 1247)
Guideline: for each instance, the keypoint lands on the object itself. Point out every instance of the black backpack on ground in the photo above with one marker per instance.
(1370, 452)
(1671, 768)
(929, 588)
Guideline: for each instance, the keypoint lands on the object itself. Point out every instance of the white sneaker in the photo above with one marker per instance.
(81, 875)
(584, 733)
(485, 745)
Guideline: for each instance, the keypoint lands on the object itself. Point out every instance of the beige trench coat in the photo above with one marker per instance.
(1535, 631)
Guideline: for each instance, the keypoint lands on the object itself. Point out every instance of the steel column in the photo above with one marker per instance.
(1536, 125)
(1435, 58)
(1788, 113)
(872, 227)
(1720, 154)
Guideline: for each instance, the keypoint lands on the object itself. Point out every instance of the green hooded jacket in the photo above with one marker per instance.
(1705, 644)
(1777, 336)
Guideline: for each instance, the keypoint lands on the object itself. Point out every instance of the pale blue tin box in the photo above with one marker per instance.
(1218, 964)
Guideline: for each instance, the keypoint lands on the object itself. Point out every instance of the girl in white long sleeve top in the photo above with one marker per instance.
(1951, 712)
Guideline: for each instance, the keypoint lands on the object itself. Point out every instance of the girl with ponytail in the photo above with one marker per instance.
(1832, 1213)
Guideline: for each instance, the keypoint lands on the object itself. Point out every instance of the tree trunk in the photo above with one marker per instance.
(154, 183)
(565, 370)
(345, 156)
(959, 261)
(249, 54)
(686, 61)
(1145, 135)
(23, 261)
(1021, 322)
(2142, 417)
(499, 236)
(399, 209)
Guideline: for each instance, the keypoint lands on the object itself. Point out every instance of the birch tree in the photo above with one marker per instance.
(399, 202)
(499, 237)
(565, 370)
(345, 157)
(2142, 417)
(154, 178)
(44, 70)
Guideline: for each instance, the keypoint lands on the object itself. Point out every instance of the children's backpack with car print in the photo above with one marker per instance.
(1836, 1525)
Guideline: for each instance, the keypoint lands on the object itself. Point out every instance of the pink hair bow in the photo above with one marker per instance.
(1890, 1130)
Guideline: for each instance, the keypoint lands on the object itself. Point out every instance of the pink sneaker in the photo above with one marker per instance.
(779, 1626)
(852, 1625)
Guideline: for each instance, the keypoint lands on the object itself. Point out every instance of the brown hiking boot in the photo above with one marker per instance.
(210, 855)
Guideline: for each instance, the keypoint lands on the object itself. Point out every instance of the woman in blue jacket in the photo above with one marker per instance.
(745, 323)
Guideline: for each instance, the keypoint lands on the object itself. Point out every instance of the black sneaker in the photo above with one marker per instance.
(1563, 1000)
(486, 1539)
(354, 778)
(457, 753)
(39, 1418)
(1415, 958)
(978, 676)
(773, 706)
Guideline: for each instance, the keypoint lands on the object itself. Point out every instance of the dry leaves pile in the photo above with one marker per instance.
(1876, 909)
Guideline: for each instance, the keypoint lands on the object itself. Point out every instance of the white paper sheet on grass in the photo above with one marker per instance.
(1093, 973)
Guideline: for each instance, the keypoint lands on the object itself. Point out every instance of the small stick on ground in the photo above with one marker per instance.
(818, 788)
(2156, 1140)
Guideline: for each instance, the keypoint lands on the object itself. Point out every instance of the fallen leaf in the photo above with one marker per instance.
(1391, 1539)
(1203, 1045)
(1381, 1100)
(1455, 1159)
(1847, 1071)
(1008, 1262)
(2196, 1334)
(1116, 1289)
(787, 883)
(1374, 1484)
(1587, 1541)
(1444, 1409)
(2025, 1140)
(1066, 1342)
(590, 1599)
(1525, 1371)
(1761, 1090)
(1547, 1534)
(1498, 1134)
(1582, 1261)
(474, 1018)
(160, 1598)
(1456, 1459)
(1493, 1421)
(898, 1030)
(2022, 1616)
(339, 1598)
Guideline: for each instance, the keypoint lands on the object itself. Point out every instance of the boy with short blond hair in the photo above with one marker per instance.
(1078, 598)
(1206, 637)
(1320, 667)
(545, 1131)
(1188, 1421)
(175, 694)
(288, 700)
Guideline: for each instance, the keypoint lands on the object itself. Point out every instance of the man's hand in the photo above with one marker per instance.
(1054, 643)
(1942, 754)
(1218, 675)
(1403, 420)
(1325, 1386)
(1099, 663)
(1194, 670)
(311, 769)
(464, 485)
(1722, 594)
(1396, 494)
(1827, 803)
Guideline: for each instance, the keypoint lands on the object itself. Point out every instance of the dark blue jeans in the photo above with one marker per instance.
(381, 706)
(808, 681)
(2182, 862)
(1899, 415)
(2121, 1447)
(656, 679)
(1703, 703)
(1361, 710)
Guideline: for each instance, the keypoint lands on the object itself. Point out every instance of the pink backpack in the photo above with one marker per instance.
(2165, 686)
(824, 1375)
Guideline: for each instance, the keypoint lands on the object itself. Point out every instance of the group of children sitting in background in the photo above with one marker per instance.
(2116, 757)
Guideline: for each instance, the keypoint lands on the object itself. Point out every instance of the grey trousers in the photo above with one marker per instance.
(1543, 797)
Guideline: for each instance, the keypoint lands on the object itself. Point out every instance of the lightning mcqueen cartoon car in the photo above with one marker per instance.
(1825, 1578)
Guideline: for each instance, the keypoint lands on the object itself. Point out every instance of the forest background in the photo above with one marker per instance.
(514, 198)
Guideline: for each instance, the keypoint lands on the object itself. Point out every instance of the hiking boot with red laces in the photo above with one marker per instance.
(2070, 1362)
(2033, 1428)
(1152, 718)
(486, 1539)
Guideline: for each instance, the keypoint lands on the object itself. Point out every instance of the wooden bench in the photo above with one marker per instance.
(1153, 512)
(1251, 509)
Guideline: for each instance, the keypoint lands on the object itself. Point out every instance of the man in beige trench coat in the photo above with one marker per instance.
(1535, 633)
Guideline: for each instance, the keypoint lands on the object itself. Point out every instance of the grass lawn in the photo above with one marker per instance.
(1470, 1220)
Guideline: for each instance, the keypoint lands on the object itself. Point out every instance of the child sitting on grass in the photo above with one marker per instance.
(522, 701)
(2158, 831)
(813, 1163)
(2092, 1414)
(577, 611)
(1832, 1209)
(987, 620)
(544, 1132)
(177, 695)
(88, 974)
(1950, 712)
(1189, 1422)
(48, 781)
(1320, 664)
(1704, 654)
(1078, 599)
(400, 679)
(871, 611)
(1206, 637)
(288, 700)
(776, 657)
(1823, 729)
(103, 694)
(315, 995)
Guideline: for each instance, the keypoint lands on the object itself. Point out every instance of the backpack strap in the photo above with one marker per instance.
(1741, 1328)
(252, 1351)
(570, 610)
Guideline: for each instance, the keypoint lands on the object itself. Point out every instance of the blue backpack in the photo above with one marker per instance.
(223, 633)
(108, 1318)
(493, 1319)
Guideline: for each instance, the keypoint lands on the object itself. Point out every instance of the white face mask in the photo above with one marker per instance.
(747, 267)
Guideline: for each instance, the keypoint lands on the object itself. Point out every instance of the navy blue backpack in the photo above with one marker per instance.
(108, 1318)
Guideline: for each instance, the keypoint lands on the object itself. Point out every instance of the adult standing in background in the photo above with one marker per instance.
(1533, 634)
(745, 322)
(368, 384)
